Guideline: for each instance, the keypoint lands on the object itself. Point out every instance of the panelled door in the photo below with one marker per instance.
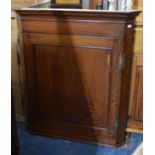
(73, 85)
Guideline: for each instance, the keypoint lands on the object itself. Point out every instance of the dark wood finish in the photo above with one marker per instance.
(76, 84)
(14, 135)
(138, 98)
(68, 6)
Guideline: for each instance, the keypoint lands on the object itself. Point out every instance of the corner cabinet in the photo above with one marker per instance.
(77, 68)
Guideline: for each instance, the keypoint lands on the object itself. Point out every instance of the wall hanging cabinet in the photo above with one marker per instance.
(77, 68)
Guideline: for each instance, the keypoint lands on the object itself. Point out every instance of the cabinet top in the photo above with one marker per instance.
(77, 12)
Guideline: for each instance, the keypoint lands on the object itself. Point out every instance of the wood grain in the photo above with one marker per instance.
(75, 87)
(135, 122)
(136, 99)
(15, 73)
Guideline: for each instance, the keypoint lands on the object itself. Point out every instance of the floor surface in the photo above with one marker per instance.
(41, 145)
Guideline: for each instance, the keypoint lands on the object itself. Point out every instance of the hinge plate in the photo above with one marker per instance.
(121, 61)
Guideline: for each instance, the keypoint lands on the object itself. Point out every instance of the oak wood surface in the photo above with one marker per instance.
(136, 98)
(17, 88)
(76, 87)
(138, 43)
(23, 3)
(66, 4)
(138, 5)
(135, 122)
(15, 72)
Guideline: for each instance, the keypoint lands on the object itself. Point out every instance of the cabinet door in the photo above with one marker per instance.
(136, 97)
(73, 85)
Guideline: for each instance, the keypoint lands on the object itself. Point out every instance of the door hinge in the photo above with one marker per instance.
(121, 61)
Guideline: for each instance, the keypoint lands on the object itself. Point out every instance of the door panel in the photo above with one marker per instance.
(73, 87)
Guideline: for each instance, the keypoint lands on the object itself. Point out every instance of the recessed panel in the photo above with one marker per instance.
(72, 84)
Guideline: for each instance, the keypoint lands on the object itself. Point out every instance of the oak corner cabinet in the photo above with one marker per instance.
(77, 68)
